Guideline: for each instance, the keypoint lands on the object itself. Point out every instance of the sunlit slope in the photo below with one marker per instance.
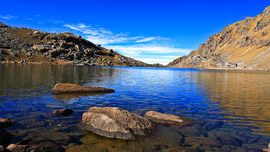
(243, 45)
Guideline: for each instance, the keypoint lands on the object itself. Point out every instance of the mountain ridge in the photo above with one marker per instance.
(24, 45)
(241, 45)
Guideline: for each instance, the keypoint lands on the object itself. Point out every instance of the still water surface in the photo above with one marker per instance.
(231, 109)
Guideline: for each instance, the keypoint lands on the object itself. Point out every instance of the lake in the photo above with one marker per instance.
(230, 109)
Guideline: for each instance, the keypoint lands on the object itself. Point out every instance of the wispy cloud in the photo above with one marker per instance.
(38, 15)
(7, 17)
(154, 49)
(146, 39)
(100, 35)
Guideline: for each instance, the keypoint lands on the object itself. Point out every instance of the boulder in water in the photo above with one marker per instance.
(74, 88)
(114, 122)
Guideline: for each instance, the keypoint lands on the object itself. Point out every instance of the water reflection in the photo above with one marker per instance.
(243, 94)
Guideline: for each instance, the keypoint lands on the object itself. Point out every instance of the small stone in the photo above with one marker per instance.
(165, 118)
(6, 123)
(5, 137)
(63, 112)
(1, 148)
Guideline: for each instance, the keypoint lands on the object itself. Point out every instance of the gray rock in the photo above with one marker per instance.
(114, 122)
(259, 26)
(165, 118)
(103, 125)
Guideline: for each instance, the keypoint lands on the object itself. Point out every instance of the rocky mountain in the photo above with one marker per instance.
(242, 45)
(23, 45)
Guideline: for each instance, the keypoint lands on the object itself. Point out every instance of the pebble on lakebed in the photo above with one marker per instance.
(114, 122)
(63, 112)
(6, 123)
(60, 88)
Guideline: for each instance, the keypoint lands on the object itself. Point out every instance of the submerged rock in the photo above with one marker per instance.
(73, 88)
(6, 123)
(5, 137)
(114, 122)
(164, 118)
(29, 145)
(1, 148)
(63, 112)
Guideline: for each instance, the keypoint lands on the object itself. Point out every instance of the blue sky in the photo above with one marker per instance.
(153, 31)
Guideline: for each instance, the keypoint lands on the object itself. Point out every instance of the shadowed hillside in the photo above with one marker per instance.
(23, 45)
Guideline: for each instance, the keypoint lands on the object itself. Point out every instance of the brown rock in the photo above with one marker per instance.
(73, 88)
(125, 124)
(164, 118)
(63, 112)
(6, 123)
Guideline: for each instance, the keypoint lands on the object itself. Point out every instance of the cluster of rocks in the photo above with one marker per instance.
(23, 43)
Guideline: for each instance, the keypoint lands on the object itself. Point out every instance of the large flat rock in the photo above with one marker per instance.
(105, 126)
(114, 122)
(74, 88)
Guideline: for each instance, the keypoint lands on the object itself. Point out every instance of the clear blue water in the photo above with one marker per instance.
(221, 102)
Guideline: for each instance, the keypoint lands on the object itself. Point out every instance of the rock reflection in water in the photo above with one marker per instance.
(75, 95)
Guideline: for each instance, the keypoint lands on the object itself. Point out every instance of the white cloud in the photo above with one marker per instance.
(7, 17)
(148, 48)
(155, 60)
(145, 39)
(99, 35)
(104, 36)
(150, 53)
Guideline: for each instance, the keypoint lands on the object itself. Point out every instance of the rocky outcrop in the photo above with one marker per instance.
(114, 122)
(242, 45)
(6, 123)
(73, 88)
(58, 48)
(164, 118)
(63, 112)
